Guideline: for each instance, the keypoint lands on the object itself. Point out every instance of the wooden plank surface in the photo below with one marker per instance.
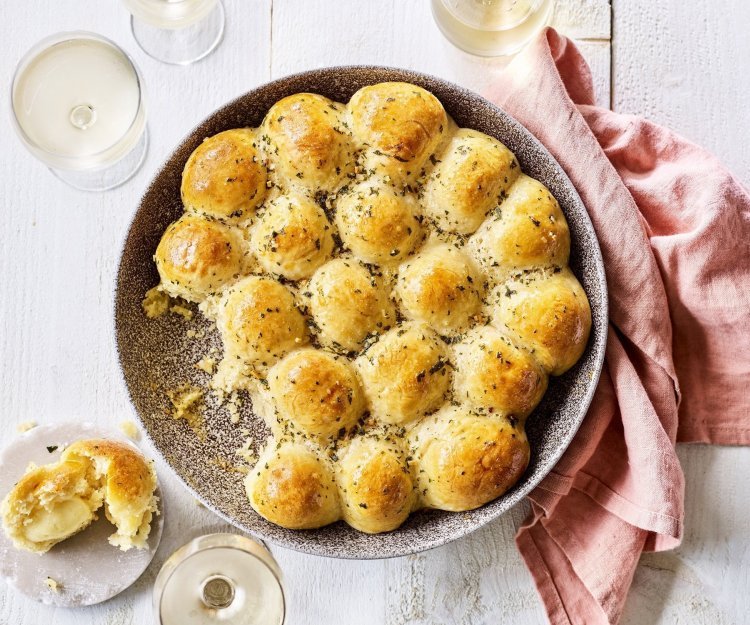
(60, 251)
(685, 65)
(705, 580)
(402, 33)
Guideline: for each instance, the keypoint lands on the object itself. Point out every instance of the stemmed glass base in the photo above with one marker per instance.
(181, 46)
(228, 579)
(110, 176)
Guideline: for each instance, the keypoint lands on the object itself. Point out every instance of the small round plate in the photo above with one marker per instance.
(86, 567)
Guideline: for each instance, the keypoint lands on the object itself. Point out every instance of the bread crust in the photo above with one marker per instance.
(316, 392)
(225, 176)
(466, 460)
(293, 486)
(196, 257)
(259, 321)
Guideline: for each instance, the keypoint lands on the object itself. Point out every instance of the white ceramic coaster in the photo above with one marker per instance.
(86, 568)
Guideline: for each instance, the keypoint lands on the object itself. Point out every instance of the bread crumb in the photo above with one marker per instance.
(53, 585)
(187, 402)
(247, 453)
(230, 467)
(156, 303)
(206, 364)
(198, 503)
(178, 309)
(25, 426)
(130, 429)
(233, 407)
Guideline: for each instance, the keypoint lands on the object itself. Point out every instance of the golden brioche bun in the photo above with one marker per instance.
(441, 287)
(317, 392)
(259, 321)
(377, 491)
(225, 177)
(399, 124)
(405, 374)
(466, 460)
(348, 303)
(308, 143)
(292, 237)
(471, 177)
(494, 376)
(527, 231)
(549, 313)
(377, 224)
(196, 257)
(292, 486)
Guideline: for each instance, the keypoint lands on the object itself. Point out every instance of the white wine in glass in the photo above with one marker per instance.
(220, 578)
(491, 27)
(78, 106)
(178, 32)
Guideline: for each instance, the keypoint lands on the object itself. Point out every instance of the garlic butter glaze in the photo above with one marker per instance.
(396, 293)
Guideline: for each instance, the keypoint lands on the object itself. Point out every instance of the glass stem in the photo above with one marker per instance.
(217, 592)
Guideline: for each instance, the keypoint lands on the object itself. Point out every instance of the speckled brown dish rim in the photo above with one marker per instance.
(307, 541)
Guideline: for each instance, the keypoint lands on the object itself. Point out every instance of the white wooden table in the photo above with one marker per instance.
(682, 64)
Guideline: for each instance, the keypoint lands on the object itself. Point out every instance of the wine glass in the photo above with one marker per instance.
(220, 578)
(491, 27)
(78, 106)
(178, 32)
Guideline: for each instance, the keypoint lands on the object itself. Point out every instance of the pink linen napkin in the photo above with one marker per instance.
(674, 228)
